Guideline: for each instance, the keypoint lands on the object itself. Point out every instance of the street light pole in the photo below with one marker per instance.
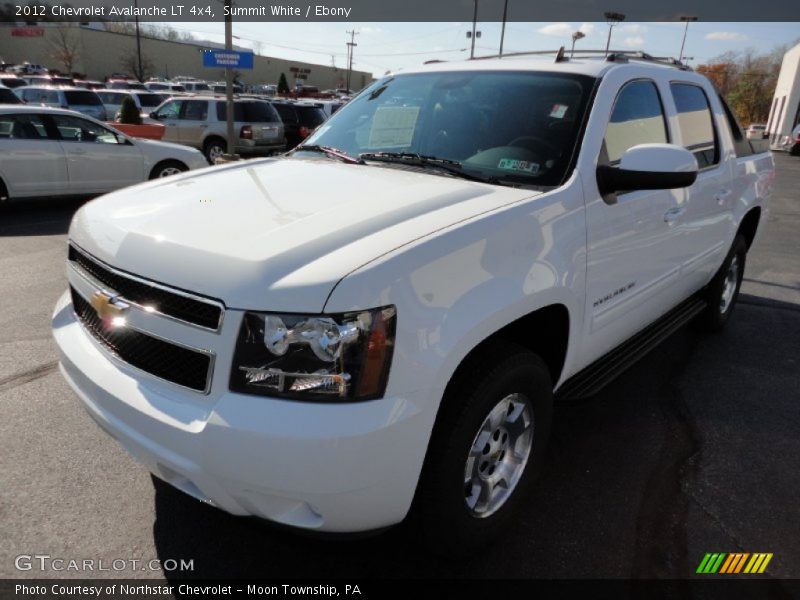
(139, 73)
(474, 27)
(578, 35)
(229, 77)
(350, 48)
(503, 30)
(612, 18)
(685, 31)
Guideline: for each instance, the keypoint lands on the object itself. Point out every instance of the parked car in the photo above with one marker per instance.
(12, 81)
(381, 321)
(202, 123)
(55, 152)
(73, 98)
(145, 100)
(27, 68)
(792, 142)
(125, 84)
(164, 86)
(48, 80)
(299, 119)
(89, 84)
(219, 87)
(757, 131)
(7, 96)
(198, 87)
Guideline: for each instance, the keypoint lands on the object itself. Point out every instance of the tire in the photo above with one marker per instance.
(167, 168)
(723, 291)
(213, 148)
(3, 191)
(505, 380)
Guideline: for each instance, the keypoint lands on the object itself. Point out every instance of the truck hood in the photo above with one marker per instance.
(274, 234)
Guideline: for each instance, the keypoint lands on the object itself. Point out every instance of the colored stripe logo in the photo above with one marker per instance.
(734, 563)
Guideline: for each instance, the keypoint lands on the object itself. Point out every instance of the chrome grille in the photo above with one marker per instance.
(184, 366)
(178, 304)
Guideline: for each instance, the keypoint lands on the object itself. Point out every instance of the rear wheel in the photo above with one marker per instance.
(213, 149)
(487, 448)
(723, 291)
(167, 168)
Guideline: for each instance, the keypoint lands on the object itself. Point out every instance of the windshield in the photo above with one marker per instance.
(515, 125)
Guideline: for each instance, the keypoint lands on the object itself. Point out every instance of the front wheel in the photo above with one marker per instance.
(167, 168)
(723, 291)
(487, 448)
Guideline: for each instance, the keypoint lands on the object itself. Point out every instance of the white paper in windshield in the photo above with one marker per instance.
(393, 126)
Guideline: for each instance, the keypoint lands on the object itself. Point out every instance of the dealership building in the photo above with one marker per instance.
(785, 111)
(98, 53)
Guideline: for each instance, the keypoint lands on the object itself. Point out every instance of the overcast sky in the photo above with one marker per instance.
(389, 46)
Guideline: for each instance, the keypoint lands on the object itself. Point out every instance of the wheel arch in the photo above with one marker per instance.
(749, 225)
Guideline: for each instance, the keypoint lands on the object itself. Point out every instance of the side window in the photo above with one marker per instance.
(637, 118)
(75, 129)
(23, 127)
(170, 110)
(194, 110)
(696, 123)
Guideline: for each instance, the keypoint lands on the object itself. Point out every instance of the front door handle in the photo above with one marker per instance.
(721, 196)
(673, 214)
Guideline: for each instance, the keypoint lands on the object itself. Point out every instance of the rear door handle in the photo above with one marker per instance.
(673, 214)
(78, 151)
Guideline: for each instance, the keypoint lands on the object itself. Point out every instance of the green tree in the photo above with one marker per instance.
(283, 86)
(129, 112)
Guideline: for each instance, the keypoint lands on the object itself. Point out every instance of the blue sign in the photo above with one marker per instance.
(228, 59)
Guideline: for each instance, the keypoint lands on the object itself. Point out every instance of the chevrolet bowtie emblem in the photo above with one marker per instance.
(105, 307)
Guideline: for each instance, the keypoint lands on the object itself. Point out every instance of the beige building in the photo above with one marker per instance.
(99, 53)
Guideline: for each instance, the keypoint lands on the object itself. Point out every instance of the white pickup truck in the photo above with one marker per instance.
(379, 323)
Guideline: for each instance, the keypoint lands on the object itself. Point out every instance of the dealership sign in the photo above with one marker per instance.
(228, 59)
(27, 32)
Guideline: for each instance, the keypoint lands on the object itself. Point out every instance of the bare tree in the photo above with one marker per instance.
(64, 46)
(130, 63)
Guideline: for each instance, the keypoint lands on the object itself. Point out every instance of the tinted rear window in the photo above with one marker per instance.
(249, 112)
(150, 100)
(82, 98)
(310, 116)
(286, 112)
(8, 97)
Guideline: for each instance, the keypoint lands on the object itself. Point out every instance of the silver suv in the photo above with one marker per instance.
(73, 98)
(201, 123)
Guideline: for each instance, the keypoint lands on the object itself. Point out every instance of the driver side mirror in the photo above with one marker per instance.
(649, 167)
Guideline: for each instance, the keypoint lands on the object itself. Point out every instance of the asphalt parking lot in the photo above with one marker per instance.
(696, 449)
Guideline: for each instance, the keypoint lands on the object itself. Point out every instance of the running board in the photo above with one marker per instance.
(605, 369)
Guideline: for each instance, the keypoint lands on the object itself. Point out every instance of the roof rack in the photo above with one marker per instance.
(618, 56)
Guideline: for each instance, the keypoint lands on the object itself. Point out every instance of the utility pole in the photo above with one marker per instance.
(685, 31)
(139, 73)
(350, 47)
(474, 27)
(229, 77)
(503, 30)
(612, 18)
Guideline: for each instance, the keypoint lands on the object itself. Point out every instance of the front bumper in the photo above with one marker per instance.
(327, 467)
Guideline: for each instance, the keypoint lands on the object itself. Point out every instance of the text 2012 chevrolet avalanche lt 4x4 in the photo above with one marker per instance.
(380, 322)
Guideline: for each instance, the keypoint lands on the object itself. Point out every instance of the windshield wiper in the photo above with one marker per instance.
(329, 151)
(420, 160)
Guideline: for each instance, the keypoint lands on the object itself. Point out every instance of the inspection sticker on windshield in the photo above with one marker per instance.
(393, 126)
(512, 164)
(558, 111)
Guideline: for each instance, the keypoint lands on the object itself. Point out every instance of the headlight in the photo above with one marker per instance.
(342, 357)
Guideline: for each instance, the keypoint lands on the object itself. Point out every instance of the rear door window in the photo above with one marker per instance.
(696, 124)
